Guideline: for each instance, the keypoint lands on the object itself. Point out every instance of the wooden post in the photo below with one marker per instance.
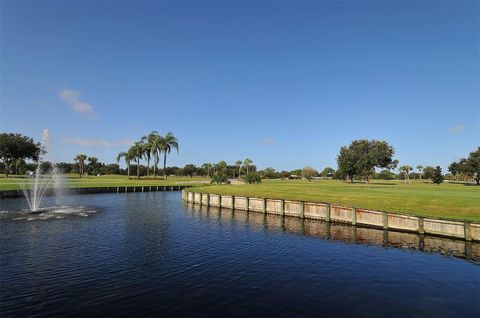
(385, 221)
(354, 216)
(282, 207)
(247, 203)
(327, 214)
(233, 202)
(208, 199)
(421, 230)
(468, 232)
(302, 210)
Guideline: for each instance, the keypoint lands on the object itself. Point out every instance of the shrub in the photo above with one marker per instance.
(219, 178)
(252, 177)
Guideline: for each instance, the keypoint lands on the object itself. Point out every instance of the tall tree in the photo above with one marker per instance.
(437, 175)
(92, 164)
(15, 147)
(238, 164)
(405, 170)
(469, 166)
(167, 142)
(152, 148)
(154, 139)
(420, 170)
(221, 167)
(137, 150)
(80, 160)
(246, 163)
(207, 167)
(128, 157)
(363, 156)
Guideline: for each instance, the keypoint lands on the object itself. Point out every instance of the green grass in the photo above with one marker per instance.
(449, 200)
(73, 181)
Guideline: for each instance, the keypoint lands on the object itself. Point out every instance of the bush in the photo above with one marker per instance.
(252, 177)
(219, 178)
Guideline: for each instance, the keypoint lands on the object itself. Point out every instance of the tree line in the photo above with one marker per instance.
(361, 160)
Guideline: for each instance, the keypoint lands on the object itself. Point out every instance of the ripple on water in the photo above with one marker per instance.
(147, 254)
(47, 213)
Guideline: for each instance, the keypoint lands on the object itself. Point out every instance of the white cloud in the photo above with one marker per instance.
(267, 141)
(98, 142)
(456, 129)
(72, 98)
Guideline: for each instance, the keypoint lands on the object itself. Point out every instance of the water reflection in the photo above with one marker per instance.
(338, 232)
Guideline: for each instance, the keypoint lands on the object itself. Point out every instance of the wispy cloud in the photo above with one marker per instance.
(72, 98)
(456, 129)
(98, 142)
(267, 141)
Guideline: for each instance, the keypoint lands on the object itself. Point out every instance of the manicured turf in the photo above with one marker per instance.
(73, 181)
(451, 201)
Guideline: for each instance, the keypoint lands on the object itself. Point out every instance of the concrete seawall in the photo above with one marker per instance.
(340, 214)
(19, 193)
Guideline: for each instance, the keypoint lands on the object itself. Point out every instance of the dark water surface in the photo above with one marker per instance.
(149, 254)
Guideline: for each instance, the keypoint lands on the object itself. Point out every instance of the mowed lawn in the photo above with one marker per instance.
(449, 200)
(73, 181)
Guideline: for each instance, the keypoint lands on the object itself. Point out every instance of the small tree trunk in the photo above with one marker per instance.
(138, 168)
(128, 171)
(165, 166)
(148, 167)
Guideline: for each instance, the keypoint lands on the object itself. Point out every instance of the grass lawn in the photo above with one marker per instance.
(449, 200)
(73, 181)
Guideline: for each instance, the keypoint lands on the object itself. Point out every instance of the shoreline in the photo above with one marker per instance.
(466, 230)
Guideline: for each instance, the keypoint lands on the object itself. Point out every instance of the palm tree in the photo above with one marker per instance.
(80, 160)
(207, 167)
(166, 144)
(221, 167)
(137, 150)
(128, 158)
(238, 163)
(92, 162)
(420, 169)
(153, 142)
(406, 170)
(146, 152)
(247, 163)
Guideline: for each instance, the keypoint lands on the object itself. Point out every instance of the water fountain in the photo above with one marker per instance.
(34, 188)
(37, 187)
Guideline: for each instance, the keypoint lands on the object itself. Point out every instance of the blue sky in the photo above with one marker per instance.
(283, 83)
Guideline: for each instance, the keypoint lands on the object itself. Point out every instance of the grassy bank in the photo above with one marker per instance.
(452, 201)
(73, 181)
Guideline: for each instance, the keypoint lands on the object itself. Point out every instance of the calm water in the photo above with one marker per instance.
(149, 254)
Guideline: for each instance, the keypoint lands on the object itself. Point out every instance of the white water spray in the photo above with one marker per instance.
(35, 188)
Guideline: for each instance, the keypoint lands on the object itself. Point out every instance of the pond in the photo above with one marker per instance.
(150, 254)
